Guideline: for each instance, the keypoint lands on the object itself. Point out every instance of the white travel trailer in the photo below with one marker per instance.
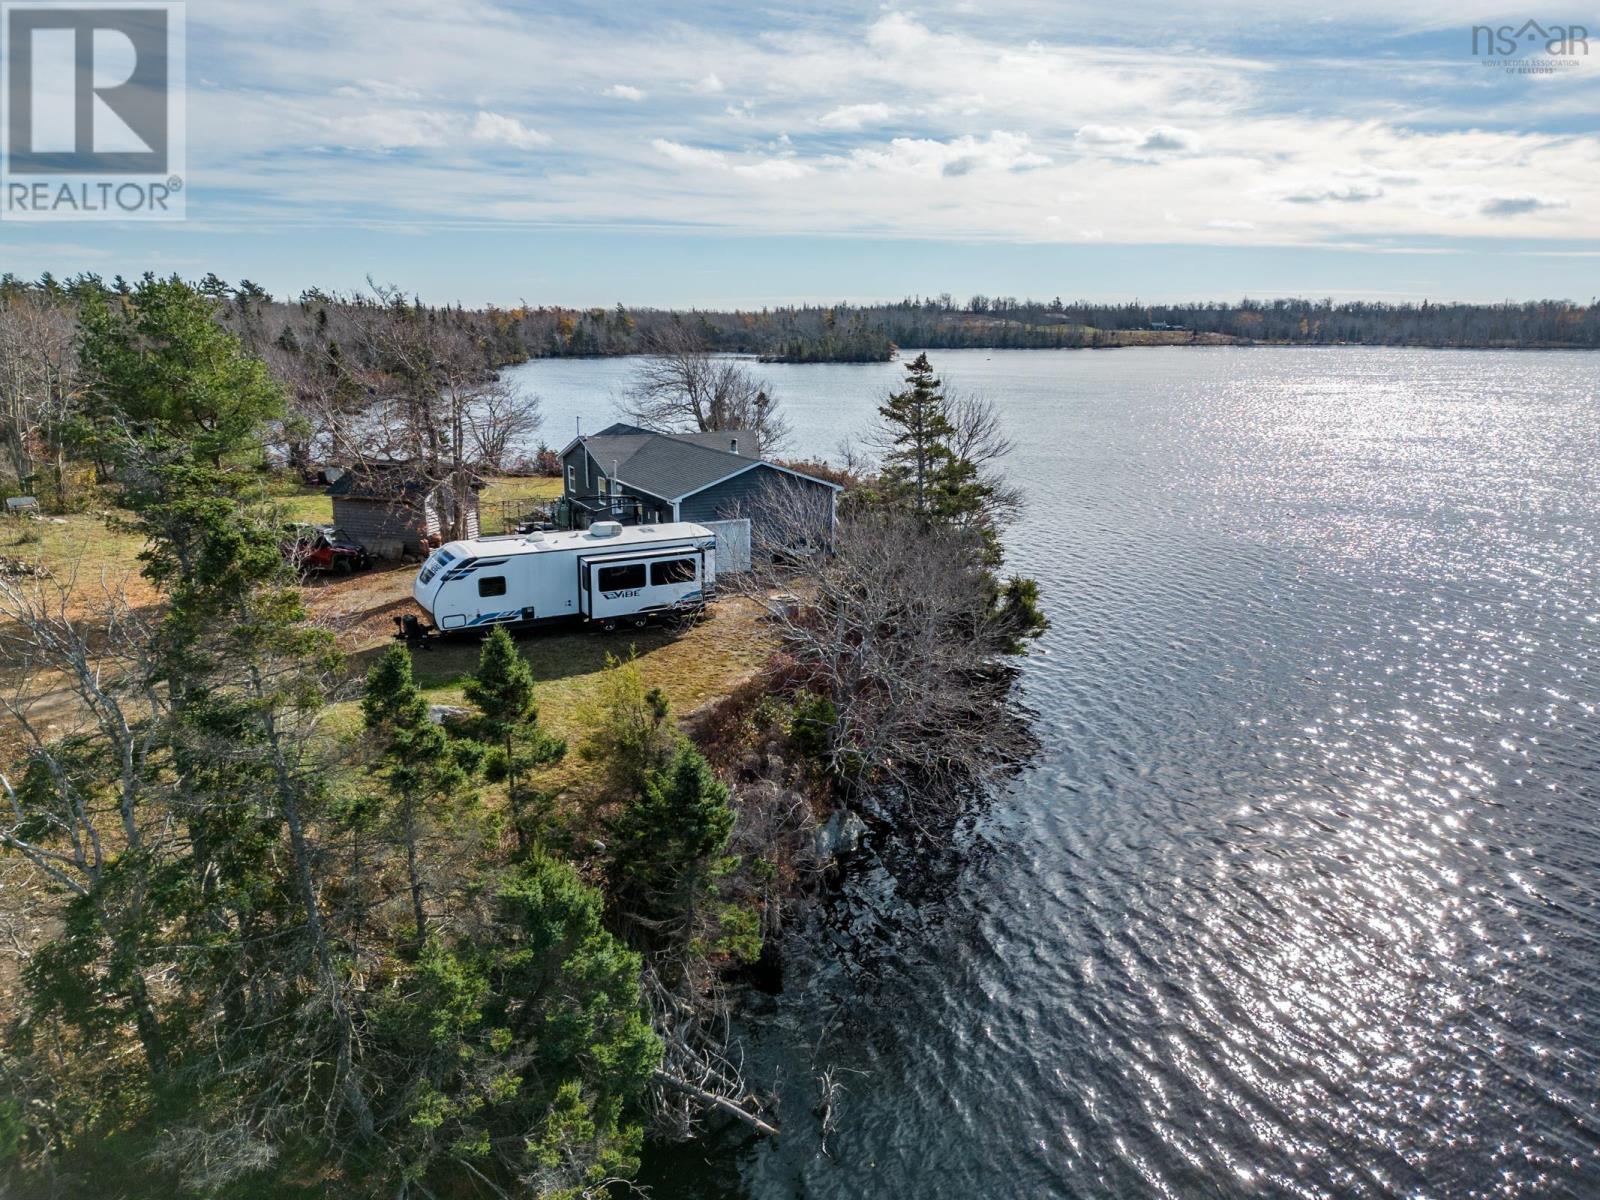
(608, 574)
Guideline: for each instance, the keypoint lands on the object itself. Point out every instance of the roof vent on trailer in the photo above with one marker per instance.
(606, 529)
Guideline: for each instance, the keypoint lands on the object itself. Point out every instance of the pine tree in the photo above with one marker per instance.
(918, 433)
(163, 363)
(502, 688)
(668, 856)
(426, 773)
(519, 1055)
(630, 736)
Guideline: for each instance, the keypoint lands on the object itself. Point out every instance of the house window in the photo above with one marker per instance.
(492, 585)
(677, 570)
(572, 478)
(622, 579)
(601, 490)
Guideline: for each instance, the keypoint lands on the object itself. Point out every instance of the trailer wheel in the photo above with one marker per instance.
(640, 622)
(608, 626)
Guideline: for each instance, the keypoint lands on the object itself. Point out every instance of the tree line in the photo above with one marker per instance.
(1006, 322)
(326, 335)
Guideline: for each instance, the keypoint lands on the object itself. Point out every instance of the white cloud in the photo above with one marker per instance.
(855, 116)
(773, 168)
(502, 130)
(1000, 151)
(1108, 135)
(1167, 137)
(991, 133)
(377, 89)
(716, 160)
(390, 129)
(689, 156)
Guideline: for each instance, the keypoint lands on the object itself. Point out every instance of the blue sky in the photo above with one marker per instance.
(723, 153)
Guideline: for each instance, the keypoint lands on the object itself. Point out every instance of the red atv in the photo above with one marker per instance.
(324, 548)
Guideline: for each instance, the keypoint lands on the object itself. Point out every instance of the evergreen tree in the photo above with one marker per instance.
(502, 688)
(522, 1055)
(669, 854)
(930, 472)
(426, 772)
(1017, 613)
(164, 365)
(630, 737)
(918, 435)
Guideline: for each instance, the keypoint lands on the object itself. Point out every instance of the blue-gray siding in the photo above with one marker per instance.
(744, 496)
(587, 479)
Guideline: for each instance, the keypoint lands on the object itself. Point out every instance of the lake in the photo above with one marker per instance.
(1300, 897)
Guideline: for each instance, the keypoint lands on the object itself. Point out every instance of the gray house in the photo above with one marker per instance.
(628, 473)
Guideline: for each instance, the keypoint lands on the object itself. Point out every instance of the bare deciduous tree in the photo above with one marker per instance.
(39, 383)
(433, 405)
(502, 420)
(86, 704)
(981, 440)
(895, 624)
(683, 388)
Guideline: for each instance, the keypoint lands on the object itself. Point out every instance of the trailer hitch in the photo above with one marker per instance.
(410, 630)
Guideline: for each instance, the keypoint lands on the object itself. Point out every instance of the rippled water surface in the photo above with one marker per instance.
(1300, 898)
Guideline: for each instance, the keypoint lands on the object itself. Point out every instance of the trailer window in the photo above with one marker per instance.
(622, 579)
(440, 560)
(492, 585)
(677, 570)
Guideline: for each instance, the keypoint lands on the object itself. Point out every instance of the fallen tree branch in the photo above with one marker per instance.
(720, 1103)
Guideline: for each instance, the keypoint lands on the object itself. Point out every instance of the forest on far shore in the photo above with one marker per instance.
(875, 332)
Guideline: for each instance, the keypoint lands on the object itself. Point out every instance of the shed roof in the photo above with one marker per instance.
(387, 481)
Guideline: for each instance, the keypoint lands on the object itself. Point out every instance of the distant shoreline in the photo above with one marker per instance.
(1205, 342)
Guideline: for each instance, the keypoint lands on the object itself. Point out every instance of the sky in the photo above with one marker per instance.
(722, 153)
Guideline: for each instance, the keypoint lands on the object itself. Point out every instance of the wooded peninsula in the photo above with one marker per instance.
(294, 909)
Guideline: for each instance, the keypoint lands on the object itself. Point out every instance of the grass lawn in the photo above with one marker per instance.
(692, 666)
(82, 542)
(314, 506)
(526, 487)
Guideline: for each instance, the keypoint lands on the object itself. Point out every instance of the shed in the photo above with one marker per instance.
(394, 510)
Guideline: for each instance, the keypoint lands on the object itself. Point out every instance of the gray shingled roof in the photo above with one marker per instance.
(667, 466)
(723, 439)
(674, 465)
